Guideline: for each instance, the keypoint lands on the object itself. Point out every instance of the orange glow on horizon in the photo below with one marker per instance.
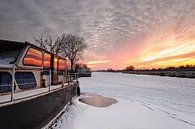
(97, 62)
(180, 53)
(171, 51)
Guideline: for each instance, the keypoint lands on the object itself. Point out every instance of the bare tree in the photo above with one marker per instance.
(130, 68)
(72, 48)
(45, 41)
(68, 45)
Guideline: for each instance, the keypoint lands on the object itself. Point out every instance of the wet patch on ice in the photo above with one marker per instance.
(97, 100)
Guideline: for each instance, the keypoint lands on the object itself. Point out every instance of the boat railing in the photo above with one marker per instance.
(68, 79)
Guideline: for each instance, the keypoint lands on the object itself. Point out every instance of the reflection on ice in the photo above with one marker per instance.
(97, 100)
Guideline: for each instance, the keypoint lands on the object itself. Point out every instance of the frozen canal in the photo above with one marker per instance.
(144, 102)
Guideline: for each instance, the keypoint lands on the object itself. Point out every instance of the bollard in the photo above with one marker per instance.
(68, 79)
(13, 78)
(49, 79)
(63, 79)
(71, 94)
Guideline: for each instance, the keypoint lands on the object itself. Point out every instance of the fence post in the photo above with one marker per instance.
(63, 79)
(70, 94)
(68, 78)
(12, 86)
(49, 79)
(77, 76)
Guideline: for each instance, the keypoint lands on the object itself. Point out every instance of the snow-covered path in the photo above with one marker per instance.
(144, 102)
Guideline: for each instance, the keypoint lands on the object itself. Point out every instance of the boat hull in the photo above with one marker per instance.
(36, 112)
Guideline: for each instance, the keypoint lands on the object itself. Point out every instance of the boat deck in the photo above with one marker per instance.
(6, 98)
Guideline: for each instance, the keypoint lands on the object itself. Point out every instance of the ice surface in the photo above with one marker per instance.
(144, 102)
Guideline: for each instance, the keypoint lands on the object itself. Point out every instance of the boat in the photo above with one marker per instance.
(84, 72)
(35, 85)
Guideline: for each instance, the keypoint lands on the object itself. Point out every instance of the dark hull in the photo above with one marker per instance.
(36, 112)
(84, 74)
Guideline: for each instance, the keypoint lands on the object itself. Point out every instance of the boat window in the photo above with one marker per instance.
(25, 80)
(62, 64)
(47, 58)
(9, 53)
(5, 82)
(33, 57)
(55, 63)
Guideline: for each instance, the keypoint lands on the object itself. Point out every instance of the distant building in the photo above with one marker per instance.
(84, 72)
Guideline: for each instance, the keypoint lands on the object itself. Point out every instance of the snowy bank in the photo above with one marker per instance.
(144, 102)
(122, 115)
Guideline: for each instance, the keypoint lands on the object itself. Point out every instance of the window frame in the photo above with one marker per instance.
(44, 60)
(26, 54)
(59, 64)
(20, 49)
(24, 73)
(56, 69)
(10, 84)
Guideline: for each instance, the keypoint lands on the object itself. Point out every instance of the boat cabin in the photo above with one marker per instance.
(33, 66)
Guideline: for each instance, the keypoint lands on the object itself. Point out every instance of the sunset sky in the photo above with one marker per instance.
(143, 33)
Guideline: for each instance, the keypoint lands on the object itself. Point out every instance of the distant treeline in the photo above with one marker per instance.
(183, 67)
(187, 71)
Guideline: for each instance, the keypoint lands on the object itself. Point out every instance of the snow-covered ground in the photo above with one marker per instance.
(144, 102)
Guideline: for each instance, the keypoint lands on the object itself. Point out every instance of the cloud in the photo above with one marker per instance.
(106, 25)
(171, 58)
(97, 62)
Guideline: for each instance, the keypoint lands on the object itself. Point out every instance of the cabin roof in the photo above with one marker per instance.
(10, 43)
(23, 44)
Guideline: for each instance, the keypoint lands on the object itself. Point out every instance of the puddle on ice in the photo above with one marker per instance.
(97, 100)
